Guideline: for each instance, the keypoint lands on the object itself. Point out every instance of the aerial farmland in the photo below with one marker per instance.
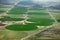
(29, 20)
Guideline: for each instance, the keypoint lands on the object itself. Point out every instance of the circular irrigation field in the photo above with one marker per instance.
(58, 20)
(42, 22)
(21, 27)
(11, 19)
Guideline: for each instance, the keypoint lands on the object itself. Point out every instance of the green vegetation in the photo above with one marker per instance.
(39, 16)
(1, 11)
(38, 13)
(37, 9)
(10, 19)
(42, 22)
(21, 27)
(4, 6)
(58, 20)
(4, 9)
(18, 10)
